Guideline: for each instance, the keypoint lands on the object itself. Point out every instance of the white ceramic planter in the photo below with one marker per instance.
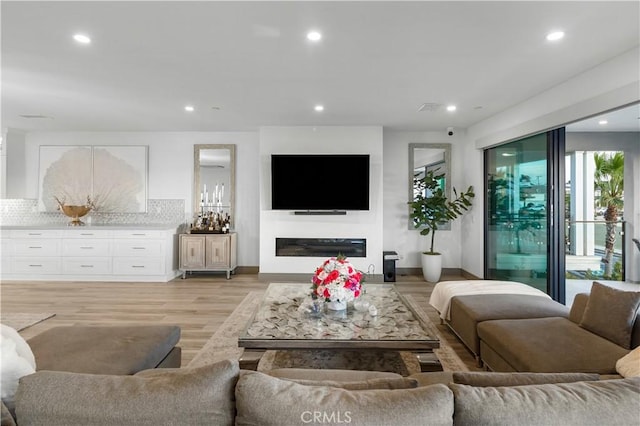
(431, 267)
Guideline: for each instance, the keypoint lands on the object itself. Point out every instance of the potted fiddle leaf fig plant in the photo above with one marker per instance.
(429, 210)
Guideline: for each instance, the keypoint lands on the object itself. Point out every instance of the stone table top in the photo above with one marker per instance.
(285, 320)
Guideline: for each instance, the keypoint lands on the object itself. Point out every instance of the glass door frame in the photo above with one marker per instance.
(555, 146)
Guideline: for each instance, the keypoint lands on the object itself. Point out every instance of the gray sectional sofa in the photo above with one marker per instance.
(512, 333)
(222, 394)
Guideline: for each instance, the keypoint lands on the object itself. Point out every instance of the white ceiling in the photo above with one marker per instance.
(248, 64)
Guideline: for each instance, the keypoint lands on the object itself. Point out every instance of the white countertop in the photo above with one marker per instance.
(109, 226)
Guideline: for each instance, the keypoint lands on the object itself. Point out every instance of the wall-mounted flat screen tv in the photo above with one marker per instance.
(320, 182)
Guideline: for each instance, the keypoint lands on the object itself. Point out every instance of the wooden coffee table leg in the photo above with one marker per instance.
(428, 361)
(249, 359)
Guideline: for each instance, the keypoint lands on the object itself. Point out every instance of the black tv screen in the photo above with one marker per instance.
(320, 182)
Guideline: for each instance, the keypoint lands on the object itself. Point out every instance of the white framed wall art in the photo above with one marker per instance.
(113, 177)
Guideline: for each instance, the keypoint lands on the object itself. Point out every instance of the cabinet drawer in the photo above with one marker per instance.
(86, 233)
(86, 265)
(5, 264)
(7, 248)
(36, 247)
(36, 233)
(138, 248)
(140, 234)
(138, 266)
(36, 265)
(85, 247)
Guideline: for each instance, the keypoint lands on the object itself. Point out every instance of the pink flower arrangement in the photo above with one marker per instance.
(337, 280)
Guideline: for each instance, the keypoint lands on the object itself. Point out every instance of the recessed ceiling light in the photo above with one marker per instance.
(189, 108)
(318, 108)
(81, 38)
(314, 35)
(555, 35)
(603, 122)
(451, 108)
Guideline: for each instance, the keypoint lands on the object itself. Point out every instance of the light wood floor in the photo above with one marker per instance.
(199, 305)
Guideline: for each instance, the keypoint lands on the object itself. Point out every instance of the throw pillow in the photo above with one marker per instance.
(604, 402)
(17, 361)
(171, 396)
(611, 313)
(484, 379)
(269, 401)
(629, 365)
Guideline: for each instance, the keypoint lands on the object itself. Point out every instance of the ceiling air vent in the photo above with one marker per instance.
(430, 107)
(33, 116)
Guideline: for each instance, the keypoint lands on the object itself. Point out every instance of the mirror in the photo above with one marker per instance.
(214, 175)
(424, 157)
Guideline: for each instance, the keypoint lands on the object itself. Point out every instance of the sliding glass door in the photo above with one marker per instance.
(523, 199)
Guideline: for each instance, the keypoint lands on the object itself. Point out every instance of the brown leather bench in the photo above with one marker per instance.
(118, 350)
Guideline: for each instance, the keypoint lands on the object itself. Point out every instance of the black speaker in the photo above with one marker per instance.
(389, 265)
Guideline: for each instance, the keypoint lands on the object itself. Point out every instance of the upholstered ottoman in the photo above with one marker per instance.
(467, 311)
(118, 350)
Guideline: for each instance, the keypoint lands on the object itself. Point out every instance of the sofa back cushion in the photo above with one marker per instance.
(484, 379)
(270, 401)
(578, 306)
(611, 313)
(188, 396)
(610, 402)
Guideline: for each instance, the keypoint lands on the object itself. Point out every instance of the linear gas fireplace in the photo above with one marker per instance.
(321, 247)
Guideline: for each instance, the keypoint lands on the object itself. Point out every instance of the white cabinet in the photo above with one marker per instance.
(102, 253)
(35, 252)
(208, 252)
(86, 252)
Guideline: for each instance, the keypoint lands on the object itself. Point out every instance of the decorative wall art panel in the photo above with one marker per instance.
(114, 177)
(65, 172)
(120, 178)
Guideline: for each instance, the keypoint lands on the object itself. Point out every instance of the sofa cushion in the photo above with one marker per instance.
(606, 402)
(549, 345)
(611, 313)
(578, 306)
(467, 311)
(484, 379)
(629, 365)
(104, 349)
(188, 396)
(265, 400)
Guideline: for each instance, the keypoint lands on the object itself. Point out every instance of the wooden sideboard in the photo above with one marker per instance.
(89, 253)
(208, 252)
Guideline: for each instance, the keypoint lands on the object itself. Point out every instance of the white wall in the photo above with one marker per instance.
(170, 171)
(397, 234)
(13, 147)
(356, 224)
(610, 85)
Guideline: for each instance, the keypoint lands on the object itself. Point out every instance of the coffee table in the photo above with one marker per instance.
(282, 321)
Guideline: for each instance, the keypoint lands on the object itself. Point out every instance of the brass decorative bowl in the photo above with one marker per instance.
(75, 212)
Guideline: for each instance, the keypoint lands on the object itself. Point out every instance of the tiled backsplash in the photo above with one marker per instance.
(25, 212)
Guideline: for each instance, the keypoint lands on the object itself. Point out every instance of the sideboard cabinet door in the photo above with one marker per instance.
(192, 252)
(208, 252)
